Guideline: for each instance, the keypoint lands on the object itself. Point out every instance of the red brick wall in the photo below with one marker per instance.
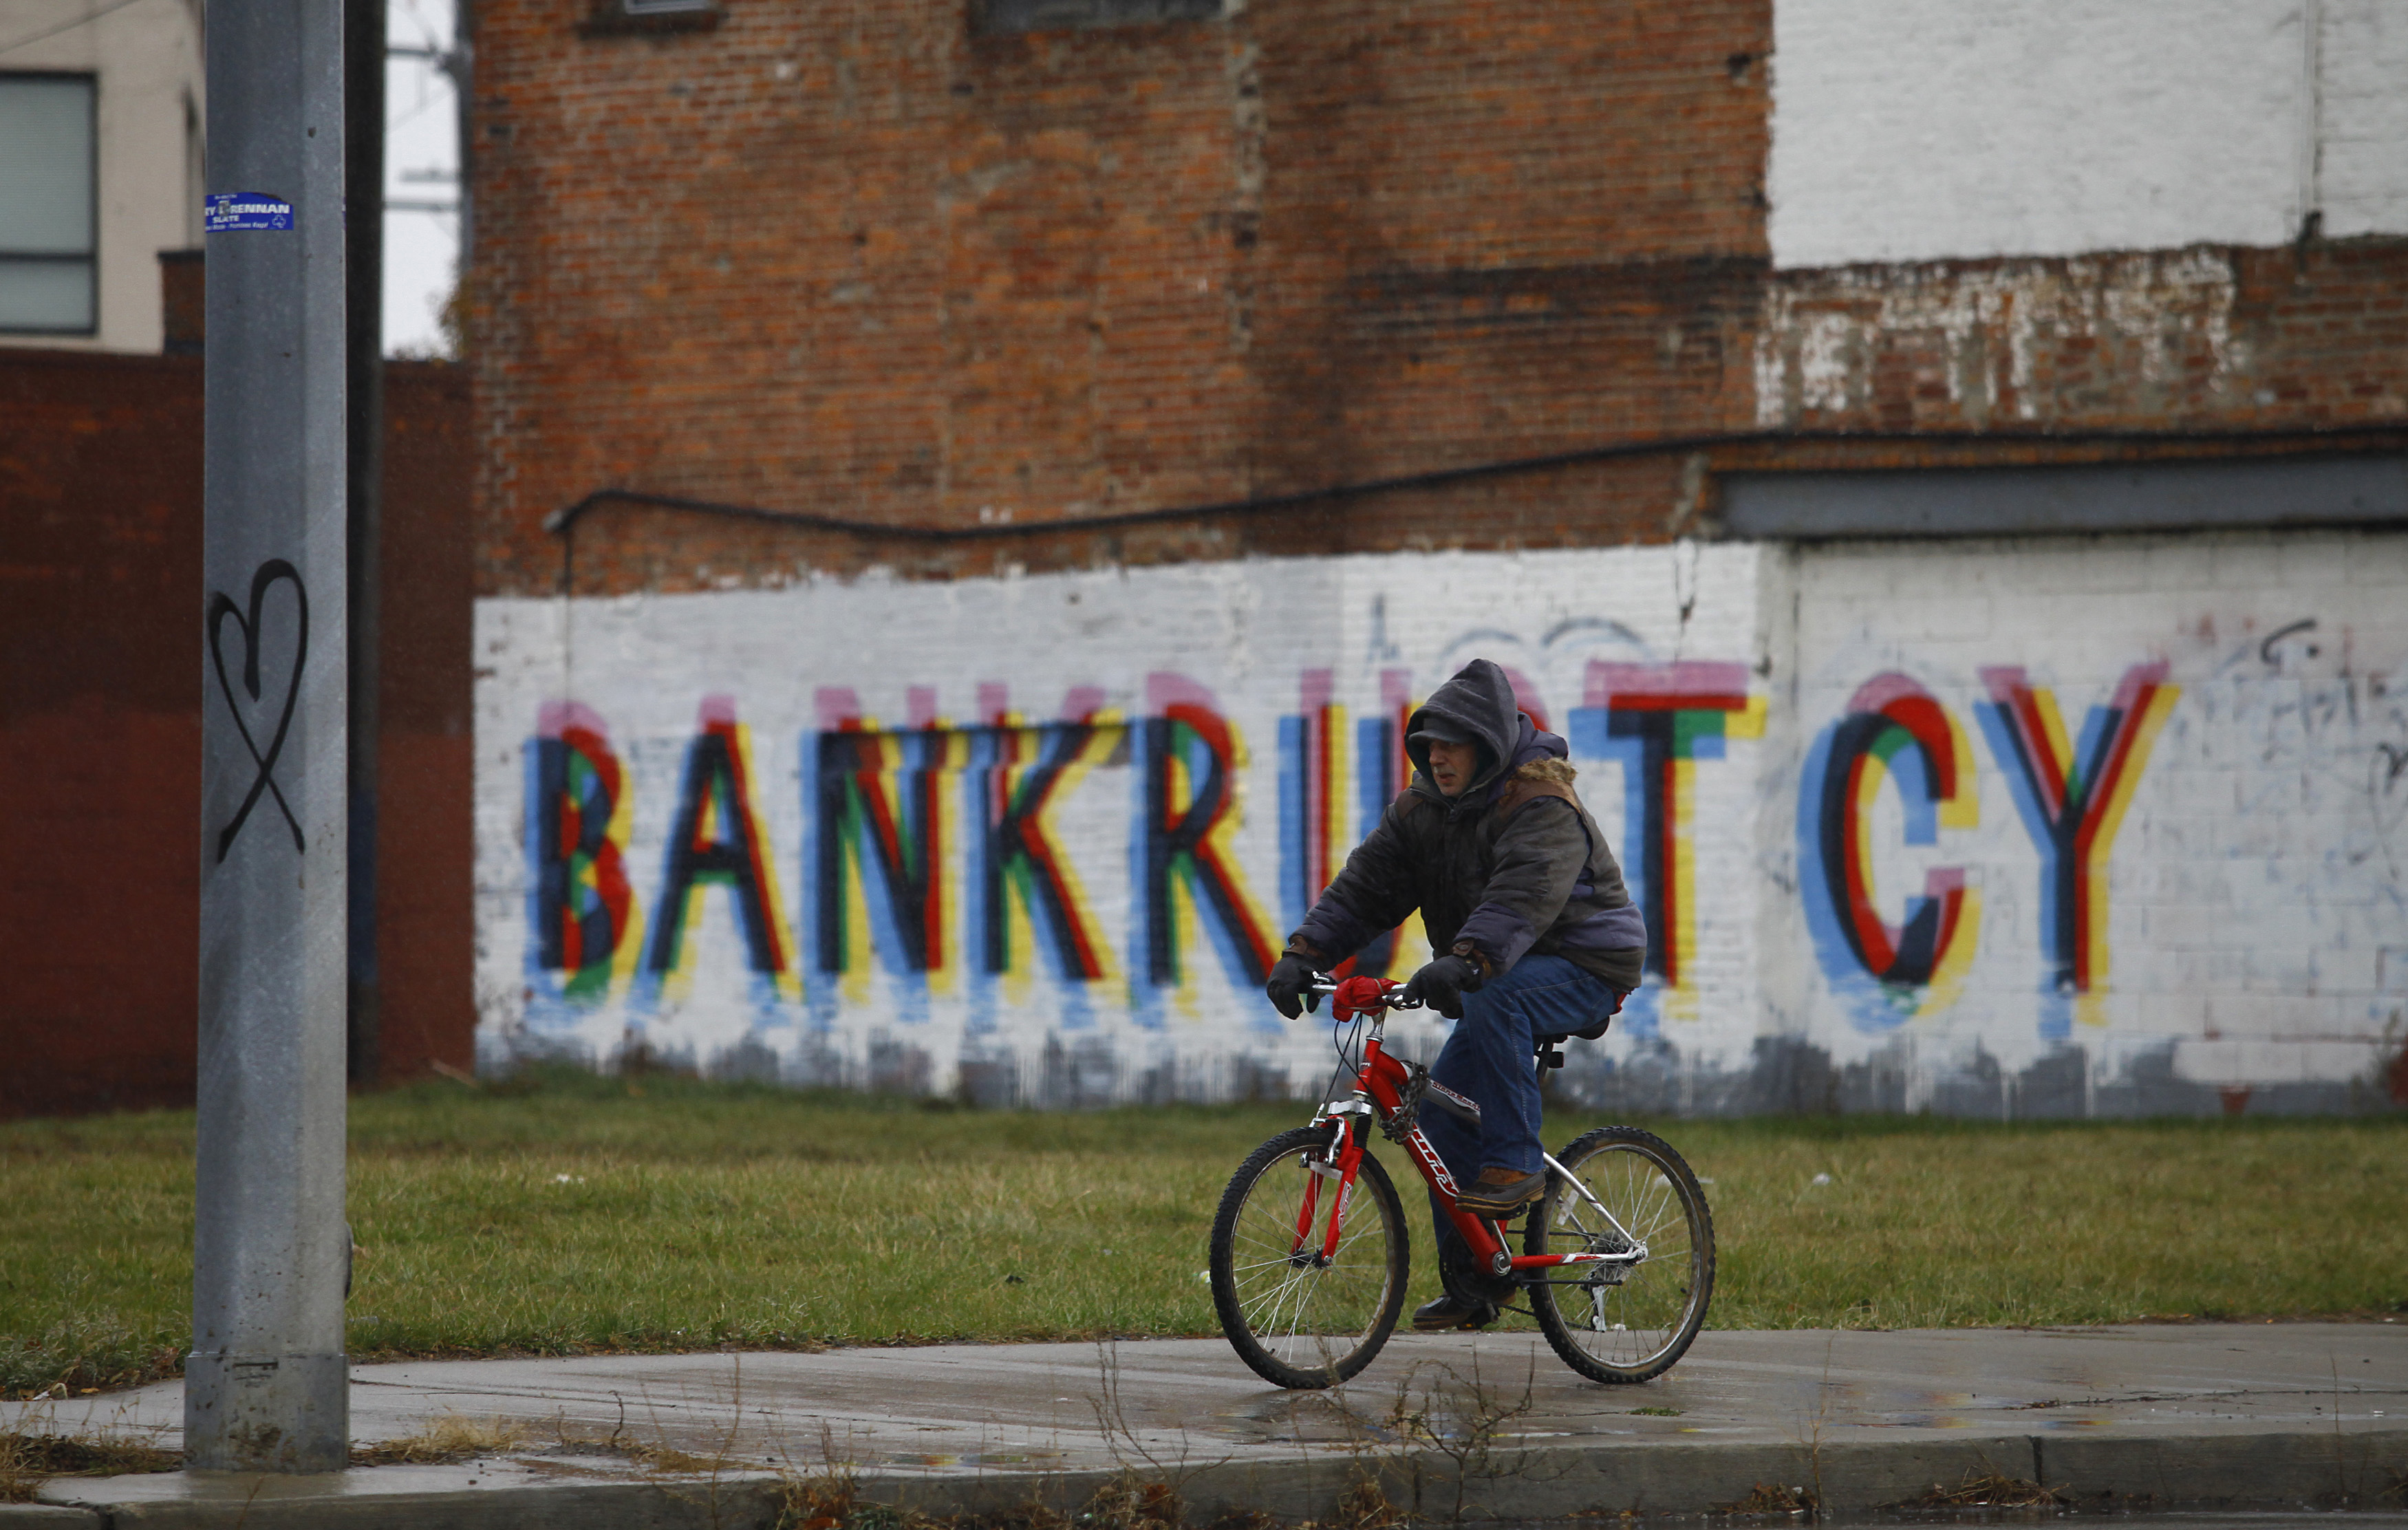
(426, 836)
(854, 260)
(100, 597)
(926, 276)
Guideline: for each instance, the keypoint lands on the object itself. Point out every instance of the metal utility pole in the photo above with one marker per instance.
(364, 48)
(267, 1387)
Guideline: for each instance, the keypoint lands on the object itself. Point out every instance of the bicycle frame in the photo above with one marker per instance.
(1382, 1085)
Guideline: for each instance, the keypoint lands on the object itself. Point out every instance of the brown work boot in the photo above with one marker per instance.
(1499, 1192)
(1448, 1313)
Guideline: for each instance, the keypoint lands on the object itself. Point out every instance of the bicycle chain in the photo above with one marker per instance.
(1408, 1104)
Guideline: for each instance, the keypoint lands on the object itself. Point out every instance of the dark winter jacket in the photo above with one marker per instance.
(1513, 865)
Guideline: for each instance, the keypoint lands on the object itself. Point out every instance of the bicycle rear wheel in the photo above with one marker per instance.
(1622, 1323)
(1297, 1319)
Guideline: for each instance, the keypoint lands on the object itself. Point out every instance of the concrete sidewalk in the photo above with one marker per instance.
(2264, 1413)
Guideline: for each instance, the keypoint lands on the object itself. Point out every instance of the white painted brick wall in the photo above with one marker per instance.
(2257, 933)
(1909, 130)
(1246, 632)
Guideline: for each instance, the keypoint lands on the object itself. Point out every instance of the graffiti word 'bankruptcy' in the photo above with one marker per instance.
(936, 851)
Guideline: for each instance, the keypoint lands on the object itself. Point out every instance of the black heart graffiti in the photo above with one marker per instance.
(2388, 784)
(222, 607)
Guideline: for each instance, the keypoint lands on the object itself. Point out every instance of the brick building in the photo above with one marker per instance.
(102, 663)
(101, 668)
(1306, 350)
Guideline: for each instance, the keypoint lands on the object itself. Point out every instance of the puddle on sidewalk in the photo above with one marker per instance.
(1305, 1418)
(1039, 1460)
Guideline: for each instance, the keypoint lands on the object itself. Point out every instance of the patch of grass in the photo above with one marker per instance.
(1933, 1224)
(567, 1213)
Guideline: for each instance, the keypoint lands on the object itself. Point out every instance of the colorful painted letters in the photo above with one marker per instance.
(716, 840)
(1893, 731)
(1190, 765)
(1026, 772)
(936, 852)
(2072, 794)
(578, 817)
(1659, 719)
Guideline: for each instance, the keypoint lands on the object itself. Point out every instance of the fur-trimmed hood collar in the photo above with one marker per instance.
(1559, 772)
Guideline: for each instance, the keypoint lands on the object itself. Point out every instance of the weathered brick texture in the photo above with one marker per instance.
(861, 259)
(2199, 338)
(855, 259)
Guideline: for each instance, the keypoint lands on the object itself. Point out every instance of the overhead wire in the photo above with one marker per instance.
(561, 522)
(84, 19)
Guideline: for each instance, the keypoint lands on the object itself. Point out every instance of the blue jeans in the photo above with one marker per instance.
(1488, 1059)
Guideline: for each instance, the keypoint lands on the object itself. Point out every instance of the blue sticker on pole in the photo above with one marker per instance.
(231, 210)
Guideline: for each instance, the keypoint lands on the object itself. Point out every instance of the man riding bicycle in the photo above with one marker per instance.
(1536, 935)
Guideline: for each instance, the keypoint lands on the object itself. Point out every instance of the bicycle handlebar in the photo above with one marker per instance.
(1390, 997)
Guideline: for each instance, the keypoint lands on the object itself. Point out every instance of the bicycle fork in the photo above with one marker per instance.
(1345, 1162)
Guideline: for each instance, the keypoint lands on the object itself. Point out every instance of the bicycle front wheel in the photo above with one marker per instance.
(1299, 1319)
(1622, 1322)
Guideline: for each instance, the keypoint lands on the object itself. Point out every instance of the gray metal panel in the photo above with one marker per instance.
(2136, 496)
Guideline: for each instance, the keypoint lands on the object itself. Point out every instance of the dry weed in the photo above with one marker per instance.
(828, 1500)
(1127, 1503)
(28, 1461)
(19, 1476)
(1365, 1506)
(820, 1499)
(1031, 1515)
(1988, 1490)
(1770, 1498)
(446, 1437)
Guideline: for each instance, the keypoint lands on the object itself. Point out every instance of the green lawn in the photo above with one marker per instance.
(579, 1214)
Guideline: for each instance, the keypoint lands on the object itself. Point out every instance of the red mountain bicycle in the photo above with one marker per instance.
(1310, 1253)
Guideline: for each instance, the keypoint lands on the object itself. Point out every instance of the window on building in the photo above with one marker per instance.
(609, 17)
(48, 270)
(1003, 16)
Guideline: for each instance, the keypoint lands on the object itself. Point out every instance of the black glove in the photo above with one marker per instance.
(1289, 986)
(1442, 984)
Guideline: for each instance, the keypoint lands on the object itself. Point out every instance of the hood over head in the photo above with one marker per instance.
(1479, 703)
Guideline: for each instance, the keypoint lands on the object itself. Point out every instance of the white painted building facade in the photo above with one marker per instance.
(102, 109)
(2056, 826)
(2232, 715)
(1911, 130)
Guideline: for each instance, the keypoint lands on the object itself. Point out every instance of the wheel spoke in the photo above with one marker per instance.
(1298, 1316)
(1626, 1322)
